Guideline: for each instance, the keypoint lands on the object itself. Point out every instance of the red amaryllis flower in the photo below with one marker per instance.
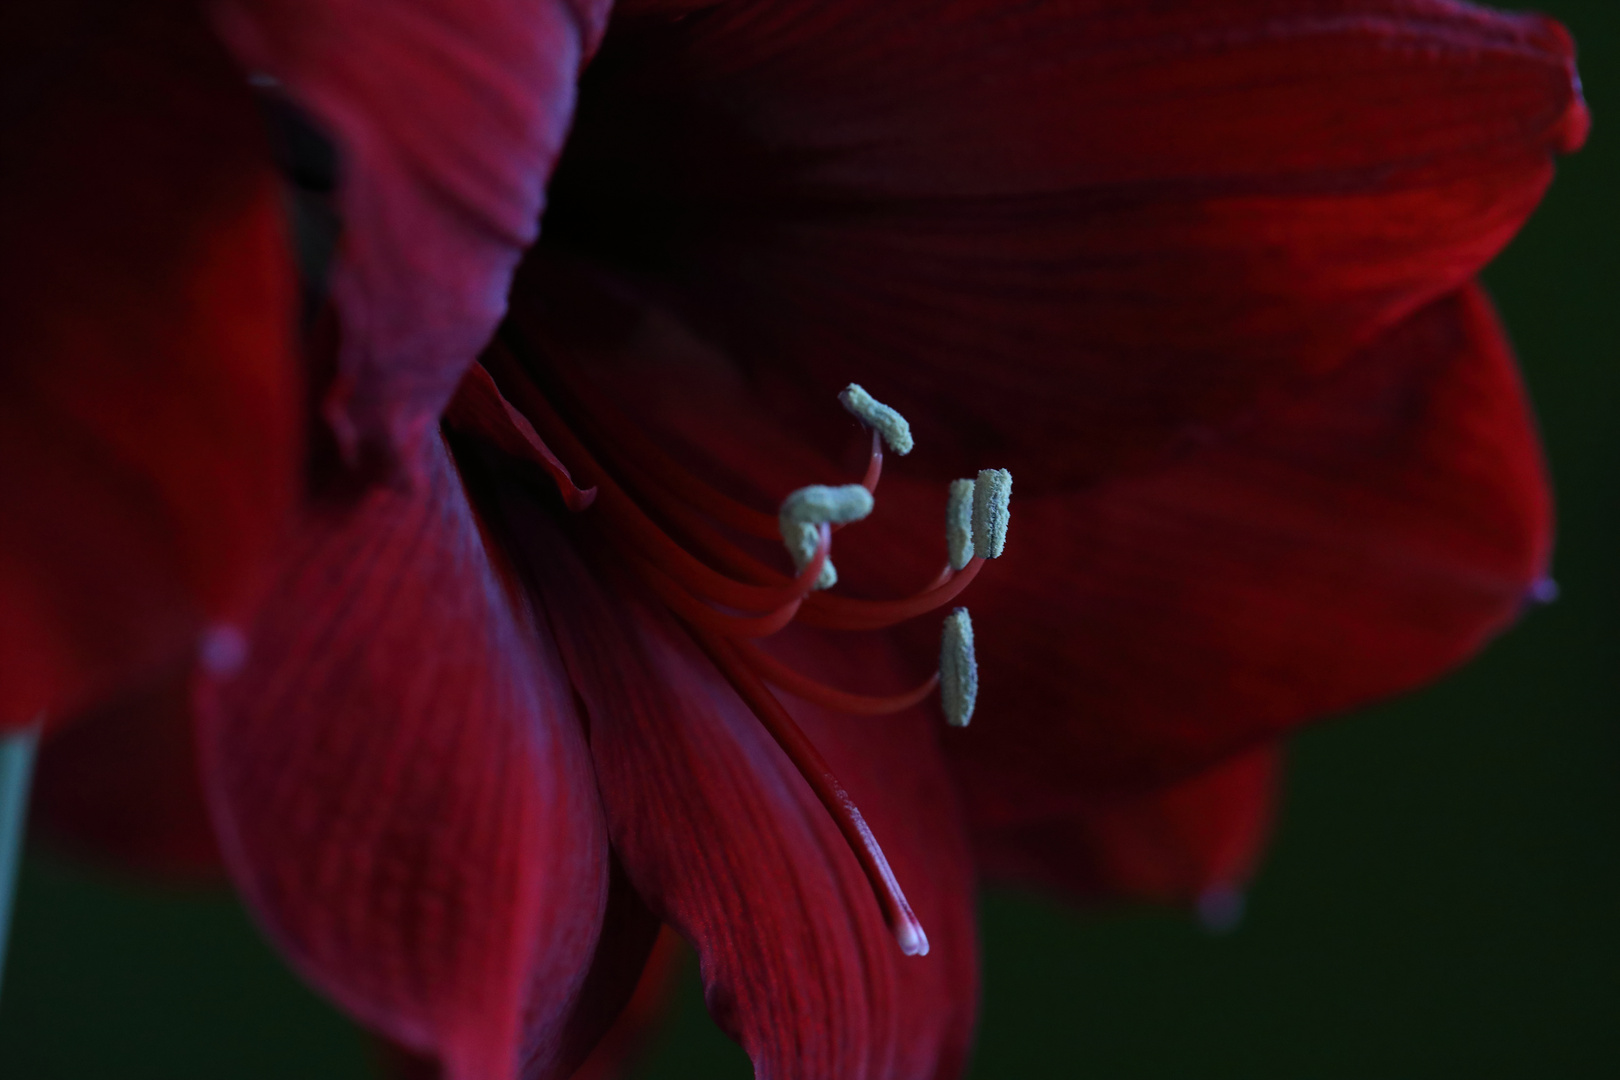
(1201, 279)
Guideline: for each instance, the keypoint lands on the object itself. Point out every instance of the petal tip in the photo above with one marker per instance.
(1569, 132)
(1220, 909)
(1569, 135)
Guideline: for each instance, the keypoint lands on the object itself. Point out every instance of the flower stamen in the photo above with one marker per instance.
(726, 596)
(992, 492)
(958, 669)
(879, 417)
(959, 524)
(807, 509)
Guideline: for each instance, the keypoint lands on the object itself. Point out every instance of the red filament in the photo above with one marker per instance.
(803, 686)
(845, 613)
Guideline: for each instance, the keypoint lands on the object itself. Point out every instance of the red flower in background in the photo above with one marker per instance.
(1201, 279)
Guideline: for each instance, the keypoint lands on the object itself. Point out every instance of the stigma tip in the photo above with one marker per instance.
(959, 523)
(1544, 591)
(958, 669)
(992, 493)
(909, 935)
(878, 416)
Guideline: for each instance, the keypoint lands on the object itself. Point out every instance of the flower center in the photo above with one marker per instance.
(680, 537)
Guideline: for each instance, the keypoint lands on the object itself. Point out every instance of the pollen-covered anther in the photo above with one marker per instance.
(877, 416)
(958, 669)
(959, 523)
(992, 492)
(806, 510)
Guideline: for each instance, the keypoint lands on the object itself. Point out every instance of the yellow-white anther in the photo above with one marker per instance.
(991, 494)
(877, 416)
(958, 670)
(959, 523)
(806, 510)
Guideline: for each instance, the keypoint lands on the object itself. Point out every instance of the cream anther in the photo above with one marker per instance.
(958, 669)
(822, 505)
(991, 494)
(806, 510)
(878, 416)
(959, 523)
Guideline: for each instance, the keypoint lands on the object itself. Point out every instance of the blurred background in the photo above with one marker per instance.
(1442, 900)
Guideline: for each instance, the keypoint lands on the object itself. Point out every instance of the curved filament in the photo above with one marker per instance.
(845, 613)
(806, 688)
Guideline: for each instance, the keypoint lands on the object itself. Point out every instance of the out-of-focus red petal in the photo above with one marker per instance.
(619, 1047)
(1196, 841)
(401, 787)
(397, 1063)
(626, 1040)
(729, 846)
(119, 785)
(1151, 213)
(1356, 542)
(149, 394)
(448, 116)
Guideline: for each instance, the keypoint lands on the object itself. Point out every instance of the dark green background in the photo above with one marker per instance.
(1443, 899)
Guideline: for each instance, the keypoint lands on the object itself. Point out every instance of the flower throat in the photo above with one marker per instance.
(676, 534)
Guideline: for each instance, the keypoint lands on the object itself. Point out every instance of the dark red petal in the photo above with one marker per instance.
(480, 410)
(727, 843)
(401, 787)
(1196, 841)
(555, 1048)
(119, 785)
(1150, 213)
(148, 391)
(1356, 542)
(448, 116)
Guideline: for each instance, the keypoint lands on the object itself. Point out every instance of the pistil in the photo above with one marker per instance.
(897, 913)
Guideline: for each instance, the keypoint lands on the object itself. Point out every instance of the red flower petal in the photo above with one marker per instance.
(608, 1041)
(448, 116)
(1149, 213)
(1354, 543)
(727, 843)
(401, 787)
(1197, 840)
(120, 785)
(148, 394)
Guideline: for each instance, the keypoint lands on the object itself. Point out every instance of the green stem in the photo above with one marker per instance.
(16, 769)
